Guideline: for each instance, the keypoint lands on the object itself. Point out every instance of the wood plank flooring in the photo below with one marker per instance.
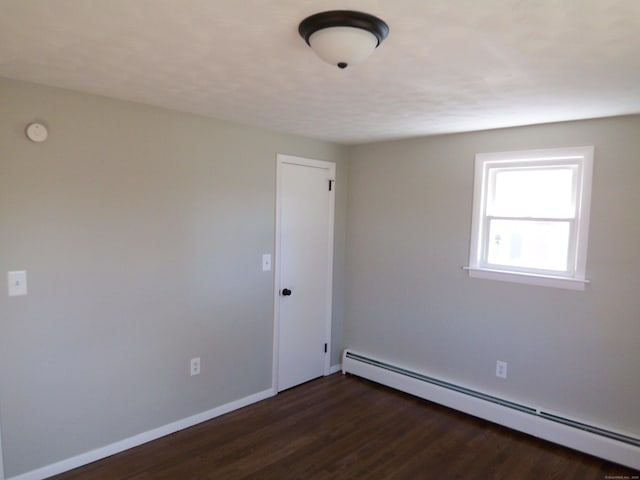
(343, 427)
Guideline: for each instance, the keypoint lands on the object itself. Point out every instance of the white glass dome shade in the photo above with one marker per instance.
(343, 37)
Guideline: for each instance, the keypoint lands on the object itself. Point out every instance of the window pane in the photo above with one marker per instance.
(528, 244)
(542, 192)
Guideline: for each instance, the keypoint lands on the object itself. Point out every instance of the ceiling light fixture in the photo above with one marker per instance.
(343, 37)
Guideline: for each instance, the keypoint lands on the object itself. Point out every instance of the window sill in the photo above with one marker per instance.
(527, 278)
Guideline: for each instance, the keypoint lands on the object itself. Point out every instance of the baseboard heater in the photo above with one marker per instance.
(595, 440)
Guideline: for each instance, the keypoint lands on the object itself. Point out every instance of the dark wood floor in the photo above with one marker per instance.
(343, 427)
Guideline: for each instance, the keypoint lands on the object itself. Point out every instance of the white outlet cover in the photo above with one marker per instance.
(195, 366)
(501, 369)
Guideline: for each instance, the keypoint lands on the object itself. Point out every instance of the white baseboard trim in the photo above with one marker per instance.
(532, 423)
(127, 443)
(335, 369)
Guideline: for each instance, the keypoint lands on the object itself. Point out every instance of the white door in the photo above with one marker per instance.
(304, 261)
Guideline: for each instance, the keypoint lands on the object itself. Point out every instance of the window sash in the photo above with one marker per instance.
(569, 271)
(580, 160)
(492, 171)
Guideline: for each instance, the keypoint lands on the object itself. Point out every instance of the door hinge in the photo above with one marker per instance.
(331, 184)
(325, 348)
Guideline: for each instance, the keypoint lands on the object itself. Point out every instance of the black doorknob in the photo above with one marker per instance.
(286, 292)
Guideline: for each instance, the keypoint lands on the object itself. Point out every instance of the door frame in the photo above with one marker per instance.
(282, 159)
(1, 456)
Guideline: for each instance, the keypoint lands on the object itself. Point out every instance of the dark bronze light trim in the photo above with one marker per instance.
(343, 18)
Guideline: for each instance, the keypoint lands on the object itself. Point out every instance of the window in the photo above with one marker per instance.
(531, 216)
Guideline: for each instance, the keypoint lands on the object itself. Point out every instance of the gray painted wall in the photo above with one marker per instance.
(409, 302)
(142, 232)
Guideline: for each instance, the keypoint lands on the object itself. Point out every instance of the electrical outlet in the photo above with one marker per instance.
(501, 369)
(195, 366)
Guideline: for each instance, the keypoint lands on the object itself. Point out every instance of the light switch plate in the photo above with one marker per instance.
(17, 281)
(266, 262)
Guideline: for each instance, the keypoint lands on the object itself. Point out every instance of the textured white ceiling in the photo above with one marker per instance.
(447, 65)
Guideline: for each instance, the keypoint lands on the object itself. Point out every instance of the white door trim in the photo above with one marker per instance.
(331, 175)
(1, 457)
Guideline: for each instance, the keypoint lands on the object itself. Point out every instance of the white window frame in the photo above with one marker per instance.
(486, 164)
